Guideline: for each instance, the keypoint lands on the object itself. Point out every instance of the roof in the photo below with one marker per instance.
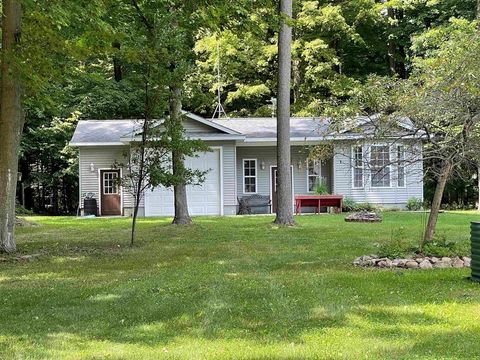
(266, 128)
(120, 132)
(103, 132)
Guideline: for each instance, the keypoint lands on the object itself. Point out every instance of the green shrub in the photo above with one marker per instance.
(441, 247)
(366, 207)
(20, 210)
(414, 204)
(321, 187)
(399, 245)
(349, 205)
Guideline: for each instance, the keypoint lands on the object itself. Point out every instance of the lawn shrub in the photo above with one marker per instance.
(349, 205)
(440, 246)
(414, 204)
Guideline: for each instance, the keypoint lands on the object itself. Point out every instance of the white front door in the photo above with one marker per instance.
(204, 199)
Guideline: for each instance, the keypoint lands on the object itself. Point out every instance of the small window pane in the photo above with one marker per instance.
(314, 174)
(380, 164)
(358, 170)
(250, 176)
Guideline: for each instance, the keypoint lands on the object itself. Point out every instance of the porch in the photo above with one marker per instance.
(256, 168)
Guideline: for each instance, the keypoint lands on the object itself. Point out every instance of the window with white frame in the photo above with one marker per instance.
(110, 182)
(380, 165)
(358, 167)
(249, 176)
(400, 166)
(314, 174)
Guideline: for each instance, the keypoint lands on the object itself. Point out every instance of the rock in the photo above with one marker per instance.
(388, 263)
(419, 260)
(411, 264)
(364, 217)
(398, 263)
(447, 260)
(382, 264)
(425, 264)
(466, 261)
(457, 263)
(434, 259)
(443, 264)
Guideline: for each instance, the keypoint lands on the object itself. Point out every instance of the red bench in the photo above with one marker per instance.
(318, 201)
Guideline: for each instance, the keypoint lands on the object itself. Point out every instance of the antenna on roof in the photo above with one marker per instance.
(219, 110)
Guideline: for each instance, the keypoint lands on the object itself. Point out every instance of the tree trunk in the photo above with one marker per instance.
(391, 44)
(182, 217)
(284, 178)
(117, 65)
(437, 202)
(11, 121)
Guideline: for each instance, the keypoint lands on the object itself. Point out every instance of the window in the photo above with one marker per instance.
(250, 176)
(358, 167)
(110, 182)
(380, 165)
(314, 174)
(400, 166)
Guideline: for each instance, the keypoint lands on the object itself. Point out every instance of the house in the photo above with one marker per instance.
(243, 162)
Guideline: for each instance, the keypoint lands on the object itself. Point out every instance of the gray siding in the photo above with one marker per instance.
(192, 126)
(102, 157)
(268, 155)
(392, 196)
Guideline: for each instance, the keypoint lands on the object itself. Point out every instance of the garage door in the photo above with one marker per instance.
(204, 199)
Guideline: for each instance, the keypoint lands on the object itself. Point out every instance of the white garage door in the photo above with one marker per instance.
(204, 199)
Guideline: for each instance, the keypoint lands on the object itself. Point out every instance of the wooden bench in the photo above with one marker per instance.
(254, 204)
(317, 201)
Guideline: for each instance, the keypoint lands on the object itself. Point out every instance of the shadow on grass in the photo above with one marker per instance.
(211, 283)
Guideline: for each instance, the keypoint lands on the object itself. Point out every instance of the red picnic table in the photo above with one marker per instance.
(318, 201)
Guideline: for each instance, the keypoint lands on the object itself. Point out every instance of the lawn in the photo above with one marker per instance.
(233, 287)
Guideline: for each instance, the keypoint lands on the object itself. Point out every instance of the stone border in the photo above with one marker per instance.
(420, 262)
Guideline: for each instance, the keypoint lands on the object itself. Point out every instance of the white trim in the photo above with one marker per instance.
(220, 159)
(80, 144)
(271, 190)
(206, 137)
(334, 185)
(404, 166)
(256, 176)
(390, 185)
(235, 172)
(354, 166)
(80, 182)
(100, 184)
(209, 123)
(319, 176)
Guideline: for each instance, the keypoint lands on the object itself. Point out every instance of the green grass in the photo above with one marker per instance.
(234, 287)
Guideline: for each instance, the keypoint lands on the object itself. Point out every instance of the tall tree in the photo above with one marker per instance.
(11, 119)
(284, 176)
(182, 216)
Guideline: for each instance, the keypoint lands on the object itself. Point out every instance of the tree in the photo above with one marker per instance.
(11, 119)
(441, 99)
(284, 178)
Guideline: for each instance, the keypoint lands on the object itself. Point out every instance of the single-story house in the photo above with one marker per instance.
(243, 162)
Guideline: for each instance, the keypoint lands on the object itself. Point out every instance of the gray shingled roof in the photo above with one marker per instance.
(91, 132)
(103, 131)
(267, 127)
